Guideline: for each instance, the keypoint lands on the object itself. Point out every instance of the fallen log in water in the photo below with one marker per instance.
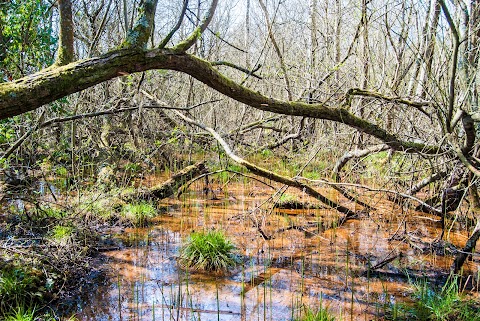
(170, 186)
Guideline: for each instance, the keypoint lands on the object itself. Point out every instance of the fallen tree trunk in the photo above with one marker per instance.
(169, 187)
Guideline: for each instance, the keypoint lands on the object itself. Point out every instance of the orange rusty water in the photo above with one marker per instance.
(279, 277)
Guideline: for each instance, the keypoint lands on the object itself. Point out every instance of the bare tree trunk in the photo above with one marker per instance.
(247, 36)
(271, 35)
(313, 48)
(413, 83)
(427, 56)
(366, 68)
(337, 35)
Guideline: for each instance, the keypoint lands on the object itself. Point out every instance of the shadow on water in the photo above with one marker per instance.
(277, 277)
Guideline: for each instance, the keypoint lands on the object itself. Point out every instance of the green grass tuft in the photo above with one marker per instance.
(139, 213)
(60, 232)
(321, 314)
(19, 286)
(21, 314)
(437, 304)
(208, 251)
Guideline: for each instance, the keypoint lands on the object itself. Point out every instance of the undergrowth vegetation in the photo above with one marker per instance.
(317, 314)
(432, 303)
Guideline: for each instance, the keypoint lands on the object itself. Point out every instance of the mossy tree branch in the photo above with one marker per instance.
(192, 38)
(141, 32)
(33, 91)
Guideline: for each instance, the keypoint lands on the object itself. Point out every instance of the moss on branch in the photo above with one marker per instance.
(33, 91)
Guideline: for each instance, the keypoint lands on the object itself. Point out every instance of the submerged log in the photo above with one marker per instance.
(170, 186)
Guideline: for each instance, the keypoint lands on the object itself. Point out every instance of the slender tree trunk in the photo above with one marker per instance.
(337, 36)
(313, 48)
(271, 35)
(413, 83)
(65, 48)
(366, 68)
(426, 66)
(247, 36)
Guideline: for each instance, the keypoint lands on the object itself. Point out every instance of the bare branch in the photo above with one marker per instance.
(453, 72)
(266, 173)
(342, 161)
(229, 64)
(367, 93)
(176, 27)
(19, 142)
(192, 38)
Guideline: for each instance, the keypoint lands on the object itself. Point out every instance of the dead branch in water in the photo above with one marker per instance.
(269, 174)
(170, 186)
(467, 250)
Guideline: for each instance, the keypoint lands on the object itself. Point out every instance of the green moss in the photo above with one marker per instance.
(53, 212)
(61, 233)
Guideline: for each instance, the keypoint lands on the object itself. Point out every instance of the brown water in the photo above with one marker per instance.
(296, 268)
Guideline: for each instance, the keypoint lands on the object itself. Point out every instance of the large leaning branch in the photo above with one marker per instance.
(269, 174)
(33, 91)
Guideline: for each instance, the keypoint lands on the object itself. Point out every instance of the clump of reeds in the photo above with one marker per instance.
(208, 251)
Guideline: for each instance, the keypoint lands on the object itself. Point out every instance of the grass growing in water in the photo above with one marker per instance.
(208, 251)
(431, 304)
(322, 314)
(139, 213)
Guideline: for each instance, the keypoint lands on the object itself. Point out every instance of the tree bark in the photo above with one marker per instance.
(170, 186)
(33, 91)
(141, 32)
(467, 250)
(65, 47)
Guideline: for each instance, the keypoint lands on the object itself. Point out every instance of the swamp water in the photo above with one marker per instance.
(300, 264)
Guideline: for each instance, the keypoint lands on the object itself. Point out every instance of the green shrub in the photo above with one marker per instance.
(208, 251)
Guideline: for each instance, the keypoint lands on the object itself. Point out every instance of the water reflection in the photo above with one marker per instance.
(278, 276)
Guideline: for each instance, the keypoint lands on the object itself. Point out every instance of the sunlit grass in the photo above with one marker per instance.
(208, 251)
(21, 314)
(139, 213)
(320, 314)
(437, 304)
(60, 232)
